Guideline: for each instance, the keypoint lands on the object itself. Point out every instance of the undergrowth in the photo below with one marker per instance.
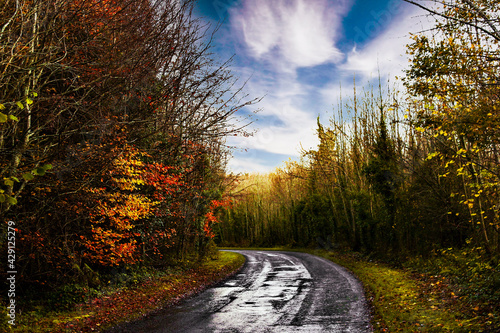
(126, 296)
(473, 281)
(452, 291)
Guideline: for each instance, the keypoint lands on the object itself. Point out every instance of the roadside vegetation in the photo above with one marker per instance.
(440, 294)
(113, 121)
(129, 296)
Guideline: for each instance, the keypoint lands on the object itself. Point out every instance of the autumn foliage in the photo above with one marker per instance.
(398, 175)
(113, 116)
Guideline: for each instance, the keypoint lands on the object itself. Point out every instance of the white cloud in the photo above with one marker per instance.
(248, 164)
(387, 52)
(289, 129)
(299, 32)
(284, 35)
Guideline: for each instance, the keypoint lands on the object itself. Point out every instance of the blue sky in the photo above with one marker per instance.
(298, 53)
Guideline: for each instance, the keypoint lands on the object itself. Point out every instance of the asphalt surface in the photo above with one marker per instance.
(274, 292)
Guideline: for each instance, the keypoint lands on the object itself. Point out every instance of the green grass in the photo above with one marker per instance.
(115, 305)
(400, 302)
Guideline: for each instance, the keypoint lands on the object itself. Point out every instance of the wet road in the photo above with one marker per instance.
(274, 292)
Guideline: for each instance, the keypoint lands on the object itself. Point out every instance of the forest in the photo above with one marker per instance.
(407, 171)
(397, 172)
(114, 117)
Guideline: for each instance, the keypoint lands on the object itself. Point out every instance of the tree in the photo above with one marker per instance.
(454, 73)
(113, 116)
(381, 169)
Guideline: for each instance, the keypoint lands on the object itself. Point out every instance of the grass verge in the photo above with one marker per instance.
(132, 302)
(405, 300)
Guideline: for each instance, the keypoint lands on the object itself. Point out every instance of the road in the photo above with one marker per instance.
(274, 292)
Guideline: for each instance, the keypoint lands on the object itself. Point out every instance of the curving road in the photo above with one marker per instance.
(274, 292)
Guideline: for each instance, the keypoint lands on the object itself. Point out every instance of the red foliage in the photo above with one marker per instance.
(211, 218)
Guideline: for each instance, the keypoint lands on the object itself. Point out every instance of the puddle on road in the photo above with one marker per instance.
(275, 295)
(285, 268)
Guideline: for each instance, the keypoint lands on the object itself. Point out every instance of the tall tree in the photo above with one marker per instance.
(125, 105)
(454, 73)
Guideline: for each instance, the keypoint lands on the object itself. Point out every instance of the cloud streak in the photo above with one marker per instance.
(294, 33)
(283, 125)
(289, 50)
(387, 51)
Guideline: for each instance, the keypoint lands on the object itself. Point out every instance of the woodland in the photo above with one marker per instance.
(407, 172)
(113, 119)
(113, 124)
(396, 173)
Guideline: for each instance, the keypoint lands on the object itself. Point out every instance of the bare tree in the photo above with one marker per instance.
(71, 71)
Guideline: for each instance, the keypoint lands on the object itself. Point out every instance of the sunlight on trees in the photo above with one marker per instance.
(398, 175)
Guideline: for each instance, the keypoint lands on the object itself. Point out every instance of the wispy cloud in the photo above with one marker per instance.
(284, 124)
(284, 41)
(293, 33)
(387, 51)
(248, 164)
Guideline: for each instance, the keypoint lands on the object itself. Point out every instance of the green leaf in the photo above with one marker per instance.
(15, 179)
(20, 105)
(8, 182)
(29, 101)
(14, 118)
(3, 117)
(2, 198)
(28, 176)
(40, 171)
(2, 107)
(11, 200)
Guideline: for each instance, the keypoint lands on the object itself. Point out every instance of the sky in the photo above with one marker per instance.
(301, 56)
